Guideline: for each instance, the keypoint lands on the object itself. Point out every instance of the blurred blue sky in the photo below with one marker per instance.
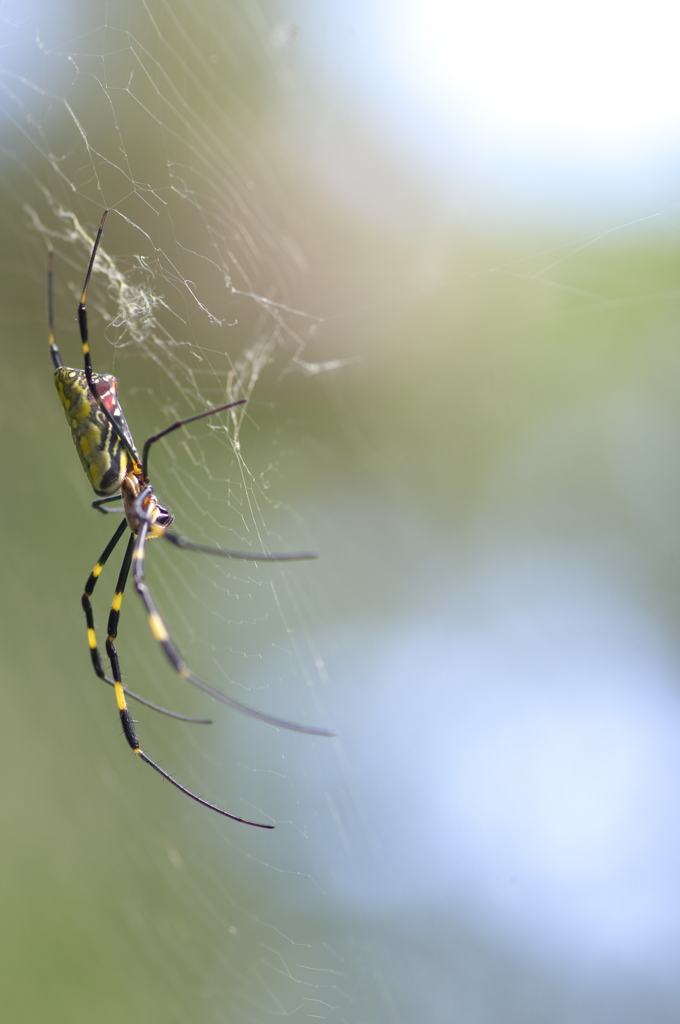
(519, 757)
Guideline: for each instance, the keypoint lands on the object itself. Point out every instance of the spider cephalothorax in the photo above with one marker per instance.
(141, 504)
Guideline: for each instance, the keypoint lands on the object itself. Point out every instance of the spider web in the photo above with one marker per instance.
(466, 434)
(192, 303)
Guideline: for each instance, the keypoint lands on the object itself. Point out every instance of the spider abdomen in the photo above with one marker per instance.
(102, 453)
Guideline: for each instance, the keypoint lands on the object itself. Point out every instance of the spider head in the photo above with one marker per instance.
(142, 506)
(164, 519)
(157, 515)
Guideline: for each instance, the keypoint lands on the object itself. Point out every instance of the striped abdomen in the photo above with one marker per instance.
(104, 457)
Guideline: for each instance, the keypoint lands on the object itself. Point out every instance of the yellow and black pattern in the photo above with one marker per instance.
(104, 456)
(113, 467)
(113, 628)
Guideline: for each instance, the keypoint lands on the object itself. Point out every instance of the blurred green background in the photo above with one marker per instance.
(467, 405)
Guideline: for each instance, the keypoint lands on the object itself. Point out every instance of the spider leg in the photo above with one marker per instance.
(54, 351)
(157, 707)
(160, 632)
(198, 799)
(182, 423)
(84, 339)
(99, 504)
(87, 594)
(82, 313)
(188, 545)
(134, 544)
(89, 372)
(92, 637)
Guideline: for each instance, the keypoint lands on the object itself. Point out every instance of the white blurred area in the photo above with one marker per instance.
(561, 108)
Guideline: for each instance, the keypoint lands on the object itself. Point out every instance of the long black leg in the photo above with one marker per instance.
(82, 313)
(99, 504)
(135, 545)
(54, 351)
(245, 556)
(182, 542)
(92, 637)
(182, 423)
(87, 594)
(160, 632)
(84, 338)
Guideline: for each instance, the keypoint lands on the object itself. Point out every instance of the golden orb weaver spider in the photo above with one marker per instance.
(113, 467)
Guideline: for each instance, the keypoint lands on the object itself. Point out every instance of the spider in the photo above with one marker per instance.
(116, 471)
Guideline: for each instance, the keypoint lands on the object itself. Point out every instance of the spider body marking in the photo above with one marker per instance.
(113, 466)
(104, 456)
